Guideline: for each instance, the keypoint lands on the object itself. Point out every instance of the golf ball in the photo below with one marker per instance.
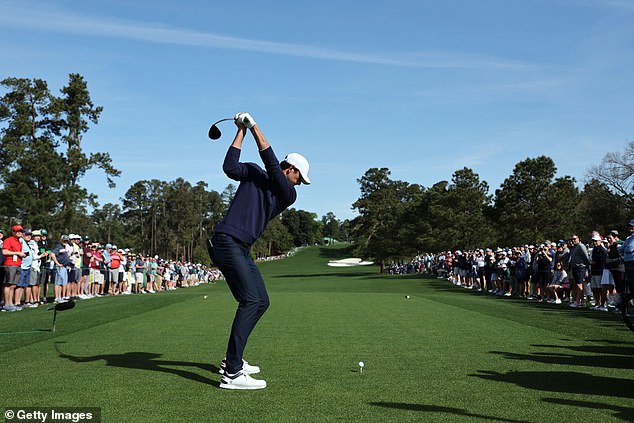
(361, 364)
(205, 297)
(407, 296)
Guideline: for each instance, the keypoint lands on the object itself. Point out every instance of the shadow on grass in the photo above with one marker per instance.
(567, 382)
(606, 360)
(151, 362)
(608, 320)
(615, 347)
(623, 413)
(437, 409)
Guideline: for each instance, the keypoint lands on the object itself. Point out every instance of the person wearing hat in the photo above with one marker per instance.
(614, 273)
(598, 259)
(262, 195)
(96, 269)
(13, 255)
(36, 268)
(30, 270)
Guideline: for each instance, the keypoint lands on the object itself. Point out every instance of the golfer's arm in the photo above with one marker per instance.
(237, 141)
(260, 140)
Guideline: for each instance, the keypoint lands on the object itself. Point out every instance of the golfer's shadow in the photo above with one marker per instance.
(150, 361)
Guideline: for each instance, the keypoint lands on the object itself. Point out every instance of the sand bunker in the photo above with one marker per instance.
(349, 262)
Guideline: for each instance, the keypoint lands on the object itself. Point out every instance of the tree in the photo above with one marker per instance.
(75, 111)
(228, 194)
(108, 225)
(31, 170)
(453, 215)
(331, 227)
(601, 209)
(532, 205)
(303, 226)
(380, 230)
(616, 171)
(275, 240)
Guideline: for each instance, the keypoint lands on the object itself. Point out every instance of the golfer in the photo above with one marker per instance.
(261, 195)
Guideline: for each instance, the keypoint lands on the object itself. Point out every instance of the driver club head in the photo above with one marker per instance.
(214, 132)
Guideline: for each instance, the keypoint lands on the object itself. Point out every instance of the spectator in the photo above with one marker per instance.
(33, 289)
(46, 275)
(559, 283)
(97, 269)
(61, 257)
(12, 250)
(544, 275)
(615, 266)
(597, 262)
(36, 267)
(521, 273)
(578, 265)
(1, 271)
(74, 273)
(123, 273)
(139, 272)
(115, 264)
(106, 266)
(25, 271)
(628, 257)
(84, 279)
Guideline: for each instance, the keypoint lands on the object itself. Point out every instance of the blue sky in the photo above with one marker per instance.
(421, 87)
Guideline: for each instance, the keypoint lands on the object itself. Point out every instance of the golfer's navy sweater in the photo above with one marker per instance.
(261, 196)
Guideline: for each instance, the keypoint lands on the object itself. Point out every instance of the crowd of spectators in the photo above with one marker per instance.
(566, 271)
(79, 268)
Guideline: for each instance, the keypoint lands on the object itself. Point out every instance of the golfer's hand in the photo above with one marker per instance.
(245, 119)
(240, 125)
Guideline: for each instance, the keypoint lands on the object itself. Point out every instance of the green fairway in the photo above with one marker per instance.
(444, 354)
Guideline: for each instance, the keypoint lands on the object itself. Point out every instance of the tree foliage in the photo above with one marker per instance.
(40, 179)
(380, 229)
(530, 204)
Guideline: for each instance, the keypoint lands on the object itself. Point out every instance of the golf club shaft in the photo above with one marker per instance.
(222, 120)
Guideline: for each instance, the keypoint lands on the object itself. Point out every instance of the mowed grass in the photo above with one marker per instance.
(444, 354)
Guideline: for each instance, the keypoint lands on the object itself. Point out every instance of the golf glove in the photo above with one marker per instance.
(245, 119)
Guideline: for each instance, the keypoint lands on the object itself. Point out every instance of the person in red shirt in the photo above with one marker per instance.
(12, 251)
(115, 263)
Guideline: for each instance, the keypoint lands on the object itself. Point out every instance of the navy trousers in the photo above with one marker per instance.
(247, 286)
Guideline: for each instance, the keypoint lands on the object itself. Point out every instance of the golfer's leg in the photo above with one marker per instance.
(263, 296)
(233, 261)
(245, 290)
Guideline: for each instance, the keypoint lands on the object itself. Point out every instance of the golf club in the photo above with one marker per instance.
(61, 307)
(214, 132)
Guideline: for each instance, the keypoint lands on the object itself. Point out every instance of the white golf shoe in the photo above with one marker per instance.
(246, 367)
(241, 381)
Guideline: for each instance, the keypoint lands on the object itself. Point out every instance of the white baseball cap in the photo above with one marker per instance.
(301, 164)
